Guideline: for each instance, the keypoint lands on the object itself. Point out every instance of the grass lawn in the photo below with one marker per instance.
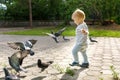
(97, 31)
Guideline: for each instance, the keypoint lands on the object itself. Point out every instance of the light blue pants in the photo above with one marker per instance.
(82, 49)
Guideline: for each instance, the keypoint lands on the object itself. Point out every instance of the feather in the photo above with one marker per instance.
(33, 41)
(16, 45)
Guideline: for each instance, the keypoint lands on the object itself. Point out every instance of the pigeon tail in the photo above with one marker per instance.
(50, 62)
(65, 38)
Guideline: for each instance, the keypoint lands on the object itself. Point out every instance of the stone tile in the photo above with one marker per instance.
(106, 72)
(93, 73)
(107, 57)
(90, 78)
(107, 61)
(96, 64)
(105, 67)
(101, 56)
(107, 64)
(116, 60)
(107, 77)
(92, 68)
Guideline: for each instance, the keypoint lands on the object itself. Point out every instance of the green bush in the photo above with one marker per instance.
(117, 20)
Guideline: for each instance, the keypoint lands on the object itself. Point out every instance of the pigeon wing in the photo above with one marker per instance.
(49, 34)
(61, 30)
(16, 45)
(33, 41)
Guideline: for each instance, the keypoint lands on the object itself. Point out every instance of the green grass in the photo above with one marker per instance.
(34, 31)
(70, 31)
(104, 33)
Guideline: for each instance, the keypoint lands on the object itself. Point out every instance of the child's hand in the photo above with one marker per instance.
(83, 31)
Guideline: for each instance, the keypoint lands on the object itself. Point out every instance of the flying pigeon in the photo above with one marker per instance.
(57, 34)
(16, 59)
(22, 45)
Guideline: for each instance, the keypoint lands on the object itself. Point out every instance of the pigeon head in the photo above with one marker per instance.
(28, 45)
(31, 53)
(39, 61)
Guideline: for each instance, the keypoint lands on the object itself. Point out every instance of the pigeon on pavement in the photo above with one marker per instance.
(43, 65)
(9, 76)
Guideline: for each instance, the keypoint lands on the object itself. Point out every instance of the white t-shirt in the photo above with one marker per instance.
(82, 39)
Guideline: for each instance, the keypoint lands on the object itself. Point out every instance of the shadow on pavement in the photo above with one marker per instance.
(32, 65)
(38, 78)
(66, 76)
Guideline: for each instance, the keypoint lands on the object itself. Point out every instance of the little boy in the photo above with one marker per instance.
(81, 44)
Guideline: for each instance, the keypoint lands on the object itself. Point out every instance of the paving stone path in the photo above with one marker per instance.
(101, 56)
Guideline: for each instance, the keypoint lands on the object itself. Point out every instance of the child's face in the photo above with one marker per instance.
(77, 20)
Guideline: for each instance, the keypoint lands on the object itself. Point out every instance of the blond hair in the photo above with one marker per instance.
(78, 13)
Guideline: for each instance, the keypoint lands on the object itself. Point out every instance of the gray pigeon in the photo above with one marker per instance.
(55, 35)
(8, 76)
(16, 59)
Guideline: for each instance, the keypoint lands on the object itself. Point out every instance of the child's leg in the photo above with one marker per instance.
(83, 51)
(85, 63)
(85, 58)
(75, 51)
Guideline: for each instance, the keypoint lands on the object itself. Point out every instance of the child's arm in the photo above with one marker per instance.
(84, 31)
